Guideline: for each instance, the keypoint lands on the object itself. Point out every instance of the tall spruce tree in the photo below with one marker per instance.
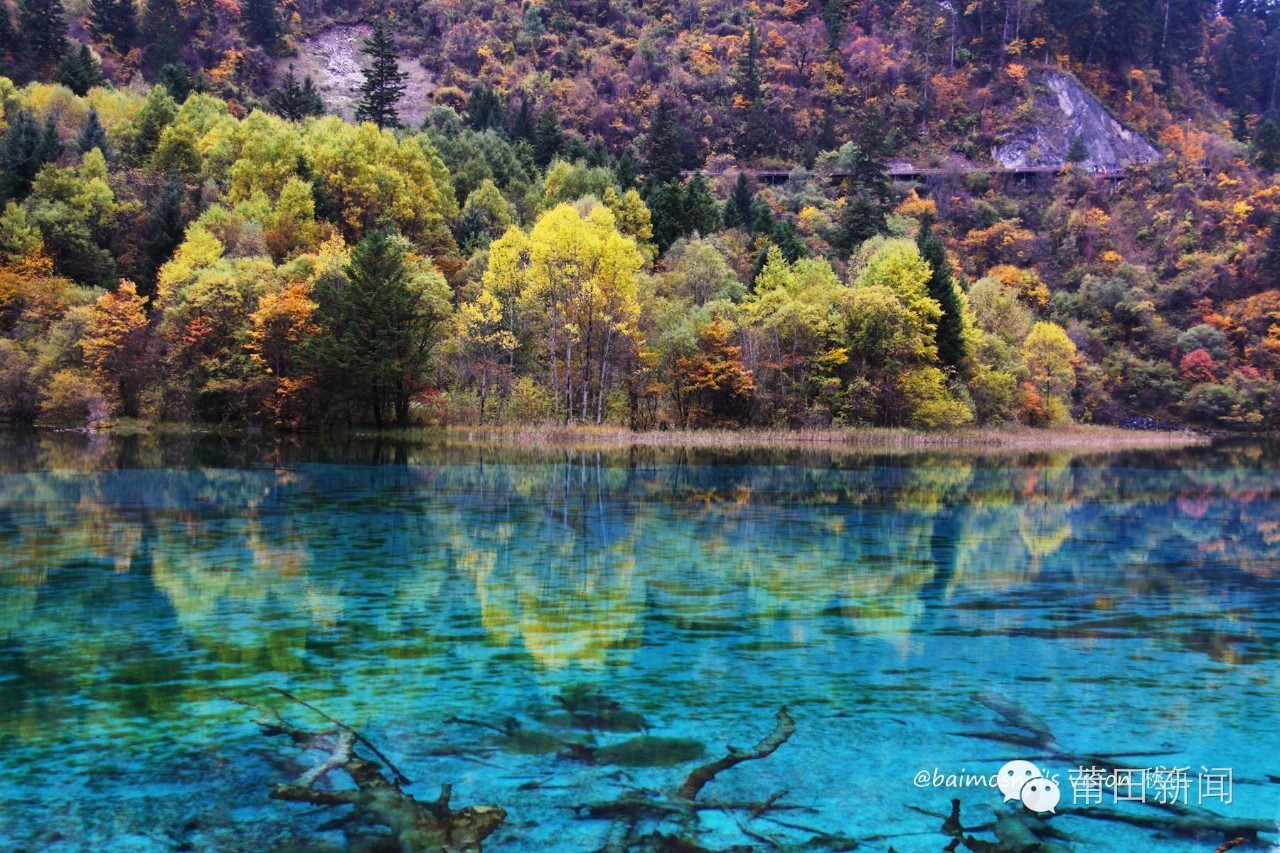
(42, 33)
(738, 210)
(114, 22)
(92, 135)
(1266, 146)
(178, 80)
(293, 100)
(664, 157)
(701, 214)
(162, 31)
(26, 148)
(1078, 152)
(943, 289)
(484, 109)
(547, 138)
(263, 23)
(79, 71)
(166, 224)
(753, 138)
(861, 219)
(384, 84)
(522, 128)
(380, 316)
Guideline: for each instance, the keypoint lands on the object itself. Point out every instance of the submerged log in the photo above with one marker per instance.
(784, 728)
(1195, 824)
(415, 826)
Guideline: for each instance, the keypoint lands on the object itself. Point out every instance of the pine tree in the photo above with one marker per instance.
(26, 149)
(1269, 265)
(8, 42)
(738, 209)
(165, 227)
(942, 287)
(754, 137)
(1078, 152)
(79, 71)
(92, 135)
(547, 139)
(598, 155)
(178, 80)
(788, 240)
(665, 203)
(484, 109)
(701, 211)
(158, 112)
(162, 28)
(114, 22)
(762, 221)
(383, 81)
(628, 168)
(1266, 146)
(380, 317)
(666, 143)
(42, 32)
(263, 23)
(522, 129)
(860, 220)
(295, 101)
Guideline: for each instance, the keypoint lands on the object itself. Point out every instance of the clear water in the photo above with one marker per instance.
(1130, 601)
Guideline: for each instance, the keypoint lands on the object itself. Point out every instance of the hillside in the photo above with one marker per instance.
(787, 214)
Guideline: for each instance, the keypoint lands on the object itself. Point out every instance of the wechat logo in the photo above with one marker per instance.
(1022, 780)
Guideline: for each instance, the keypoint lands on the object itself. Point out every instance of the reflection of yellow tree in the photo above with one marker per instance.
(496, 599)
(1045, 519)
(1044, 526)
(209, 571)
(580, 608)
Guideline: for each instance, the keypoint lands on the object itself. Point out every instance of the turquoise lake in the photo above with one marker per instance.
(1130, 602)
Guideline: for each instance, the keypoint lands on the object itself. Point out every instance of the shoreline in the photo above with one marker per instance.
(1076, 437)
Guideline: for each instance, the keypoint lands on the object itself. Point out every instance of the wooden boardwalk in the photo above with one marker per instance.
(916, 173)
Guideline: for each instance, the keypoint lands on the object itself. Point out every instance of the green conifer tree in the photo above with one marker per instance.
(293, 100)
(738, 210)
(42, 33)
(1078, 152)
(162, 32)
(547, 139)
(263, 23)
(166, 224)
(1266, 146)
(26, 149)
(92, 135)
(79, 71)
(666, 141)
(384, 84)
(943, 289)
(753, 139)
(114, 22)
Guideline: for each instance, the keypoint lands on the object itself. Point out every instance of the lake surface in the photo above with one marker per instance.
(1130, 603)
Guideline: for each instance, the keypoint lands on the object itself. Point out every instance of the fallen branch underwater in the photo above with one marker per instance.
(1018, 829)
(416, 826)
(697, 779)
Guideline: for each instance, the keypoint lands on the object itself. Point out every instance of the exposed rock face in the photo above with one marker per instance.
(333, 59)
(1065, 109)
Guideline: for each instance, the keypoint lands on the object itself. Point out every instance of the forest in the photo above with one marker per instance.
(582, 229)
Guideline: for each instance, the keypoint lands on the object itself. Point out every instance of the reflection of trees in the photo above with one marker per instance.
(260, 569)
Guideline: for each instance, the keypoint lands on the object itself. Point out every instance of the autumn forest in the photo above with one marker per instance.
(647, 214)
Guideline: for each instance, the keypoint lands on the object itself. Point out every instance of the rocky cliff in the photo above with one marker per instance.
(1064, 110)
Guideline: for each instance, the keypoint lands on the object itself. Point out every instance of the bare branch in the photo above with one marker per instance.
(703, 774)
(401, 779)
